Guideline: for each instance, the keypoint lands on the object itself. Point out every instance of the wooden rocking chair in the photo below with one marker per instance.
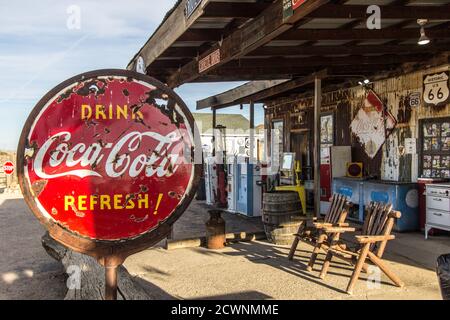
(314, 234)
(376, 232)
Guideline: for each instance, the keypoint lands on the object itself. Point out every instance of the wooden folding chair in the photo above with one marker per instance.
(376, 232)
(336, 215)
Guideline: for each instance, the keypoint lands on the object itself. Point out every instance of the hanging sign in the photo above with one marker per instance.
(209, 61)
(107, 157)
(190, 7)
(436, 91)
(289, 6)
(140, 65)
(297, 3)
(372, 124)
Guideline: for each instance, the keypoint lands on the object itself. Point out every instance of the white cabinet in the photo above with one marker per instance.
(438, 207)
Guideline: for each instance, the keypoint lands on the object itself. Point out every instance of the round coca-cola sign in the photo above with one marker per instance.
(108, 155)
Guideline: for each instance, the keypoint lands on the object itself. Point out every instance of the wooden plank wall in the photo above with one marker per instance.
(390, 163)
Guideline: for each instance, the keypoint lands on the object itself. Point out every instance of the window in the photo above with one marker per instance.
(435, 148)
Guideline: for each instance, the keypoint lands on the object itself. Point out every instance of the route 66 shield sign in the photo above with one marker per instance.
(436, 89)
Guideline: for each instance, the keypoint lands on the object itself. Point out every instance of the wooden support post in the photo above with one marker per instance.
(252, 132)
(214, 123)
(317, 106)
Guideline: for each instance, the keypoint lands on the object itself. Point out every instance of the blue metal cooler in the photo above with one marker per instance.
(403, 196)
(353, 189)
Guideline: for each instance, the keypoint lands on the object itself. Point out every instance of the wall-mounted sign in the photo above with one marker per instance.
(436, 91)
(289, 6)
(414, 100)
(288, 11)
(190, 7)
(410, 146)
(106, 158)
(209, 61)
(372, 124)
(297, 3)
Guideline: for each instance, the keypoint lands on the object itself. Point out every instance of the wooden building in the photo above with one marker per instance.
(311, 58)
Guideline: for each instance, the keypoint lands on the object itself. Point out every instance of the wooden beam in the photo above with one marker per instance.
(234, 9)
(276, 72)
(169, 31)
(361, 34)
(333, 11)
(346, 49)
(249, 63)
(196, 35)
(265, 27)
(231, 96)
(285, 87)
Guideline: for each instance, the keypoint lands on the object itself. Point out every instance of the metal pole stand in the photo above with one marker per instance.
(111, 283)
(111, 264)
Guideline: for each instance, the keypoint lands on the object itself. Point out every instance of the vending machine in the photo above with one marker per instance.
(333, 165)
(249, 197)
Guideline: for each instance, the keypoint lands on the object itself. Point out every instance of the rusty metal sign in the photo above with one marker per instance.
(106, 162)
(209, 61)
(372, 124)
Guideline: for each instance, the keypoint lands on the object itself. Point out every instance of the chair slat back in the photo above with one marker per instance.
(377, 215)
(334, 214)
(380, 219)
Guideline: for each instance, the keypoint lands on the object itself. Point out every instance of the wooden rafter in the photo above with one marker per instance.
(265, 27)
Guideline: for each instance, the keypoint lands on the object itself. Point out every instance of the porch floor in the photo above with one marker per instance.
(260, 270)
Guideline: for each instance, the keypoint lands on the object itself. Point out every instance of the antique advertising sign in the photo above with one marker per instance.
(436, 91)
(372, 124)
(108, 156)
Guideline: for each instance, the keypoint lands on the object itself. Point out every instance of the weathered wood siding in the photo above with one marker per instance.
(391, 162)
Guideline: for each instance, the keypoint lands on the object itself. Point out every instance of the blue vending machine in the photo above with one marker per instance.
(249, 194)
(353, 188)
(403, 196)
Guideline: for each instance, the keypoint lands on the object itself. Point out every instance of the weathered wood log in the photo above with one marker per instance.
(86, 277)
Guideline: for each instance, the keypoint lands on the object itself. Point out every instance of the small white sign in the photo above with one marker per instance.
(414, 100)
(410, 146)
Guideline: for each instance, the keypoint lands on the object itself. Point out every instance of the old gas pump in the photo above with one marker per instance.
(220, 154)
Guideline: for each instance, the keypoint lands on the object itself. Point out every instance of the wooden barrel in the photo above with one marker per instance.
(279, 211)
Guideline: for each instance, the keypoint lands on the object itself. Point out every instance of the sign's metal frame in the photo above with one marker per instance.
(109, 254)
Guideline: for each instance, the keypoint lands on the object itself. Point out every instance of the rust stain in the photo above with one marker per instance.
(138, 220)
(78, 213)
(39, 186)
(54, 211)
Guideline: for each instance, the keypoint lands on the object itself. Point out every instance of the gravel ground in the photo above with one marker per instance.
(256, 270)
(26, 271)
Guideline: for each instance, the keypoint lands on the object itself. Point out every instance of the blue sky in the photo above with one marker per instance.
(38, 50)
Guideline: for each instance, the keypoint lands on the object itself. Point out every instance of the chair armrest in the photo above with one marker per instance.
(373, 239)
(337, 229)
(321, 225)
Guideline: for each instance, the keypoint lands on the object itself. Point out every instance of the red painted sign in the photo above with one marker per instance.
(297, 3)
(8, 168)
(109, 157)
(209, 61)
